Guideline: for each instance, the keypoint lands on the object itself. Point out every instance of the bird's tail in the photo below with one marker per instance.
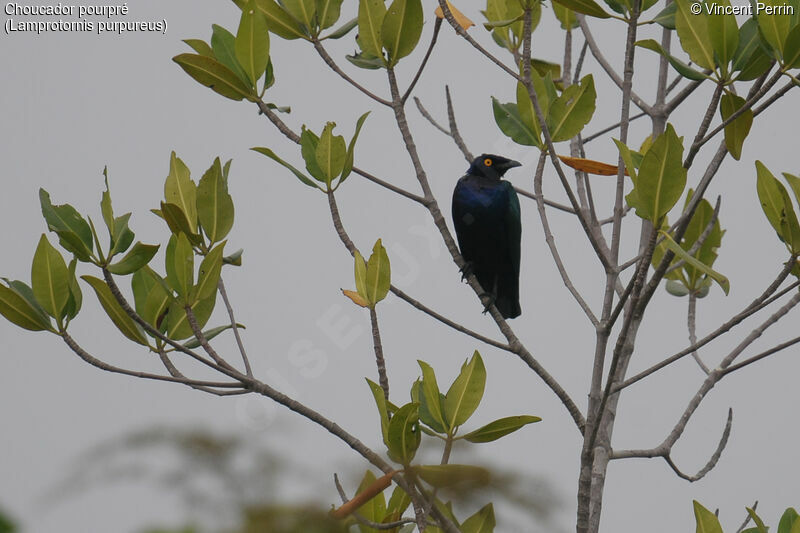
(508, 306)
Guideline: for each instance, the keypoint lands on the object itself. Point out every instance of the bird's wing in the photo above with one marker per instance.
(513, 221)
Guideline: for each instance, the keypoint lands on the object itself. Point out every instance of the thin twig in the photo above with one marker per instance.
(550, 203)
(551, 244)
(691, 323)
(451, 119)
(332, 64)
(383, 379)
(598, 55)
(747, 519)
(701, 131)
(444, 320)
(754, 306)
(235, 327)
(429, 118)
(600, 133)
(436, 27)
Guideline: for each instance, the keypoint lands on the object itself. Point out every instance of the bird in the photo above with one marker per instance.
(486, 216)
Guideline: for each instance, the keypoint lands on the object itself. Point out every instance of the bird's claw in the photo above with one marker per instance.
(488, 300)
(466, 271)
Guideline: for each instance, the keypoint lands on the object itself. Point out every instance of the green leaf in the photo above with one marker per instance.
(375, 509)
(481, 522)
(308, 149)
(791, 50)
(211, 73)
(21, 311)
(750, 60)
(178, 327)
(303, 11)
(707, 522)
(330, 153)
(360, 274)
(680, 67)
(200, 46)
(223, 44)
(344, 29)
(693, 33)
(587, 7)
(627, 158)
(794, 183)
(512, 124)
(450, 475)
(724, 33)
(571, 111)
(707, 253)
(494, 24)
(73, 231)
(565, 16)
(366, 61)
(208, 275)
(214, 205)
(328, 12)
(789, 521)
(383, 411)
(370, 21)
(180, 190)
(403, 433)
(465, 393)
(777, 205)
(666, 17)
(279, 21)
(680, 253)
(500, 428)
(348, 162)
(399, 501)
(661, 178)
(378, 278)
(430, 399)
(156, 304)
(234, 259)
(252, 42)
(302, 177)
(735, 132)
(50, 279)
(180, 264)
(139, 256)
(401, 29)
(176, 221)
(118, 316)
(141, 282)
(774, 27)
(210, 334)
(760, 527)
(123, 236)
(525, 108)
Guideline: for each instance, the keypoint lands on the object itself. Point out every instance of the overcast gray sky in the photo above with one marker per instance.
(73, 102)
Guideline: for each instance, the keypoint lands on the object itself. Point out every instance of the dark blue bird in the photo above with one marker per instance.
(486, 216)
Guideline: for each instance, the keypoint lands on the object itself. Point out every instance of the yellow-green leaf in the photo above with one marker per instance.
(50, 279)
(252, 42)
(303, 11)
(572, 110)
(680, 253)
(331, 153)
(118, 316)
(466, 392)
(693, 33)
(500, 428)
(735, 132)
(370, 21)
(211, 73)
(378, 277)
(402, 27)
(21, 312)
(208, 274)
(180, 190)
(279, 21)
(214, 205)
(706, 521)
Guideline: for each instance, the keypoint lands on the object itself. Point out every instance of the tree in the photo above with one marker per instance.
(553, 104)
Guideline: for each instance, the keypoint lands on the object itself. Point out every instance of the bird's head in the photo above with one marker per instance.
(491, 166)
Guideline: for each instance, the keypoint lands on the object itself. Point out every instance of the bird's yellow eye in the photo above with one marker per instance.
(487, 162)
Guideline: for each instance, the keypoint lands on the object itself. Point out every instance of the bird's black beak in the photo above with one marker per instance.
(509, 164)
